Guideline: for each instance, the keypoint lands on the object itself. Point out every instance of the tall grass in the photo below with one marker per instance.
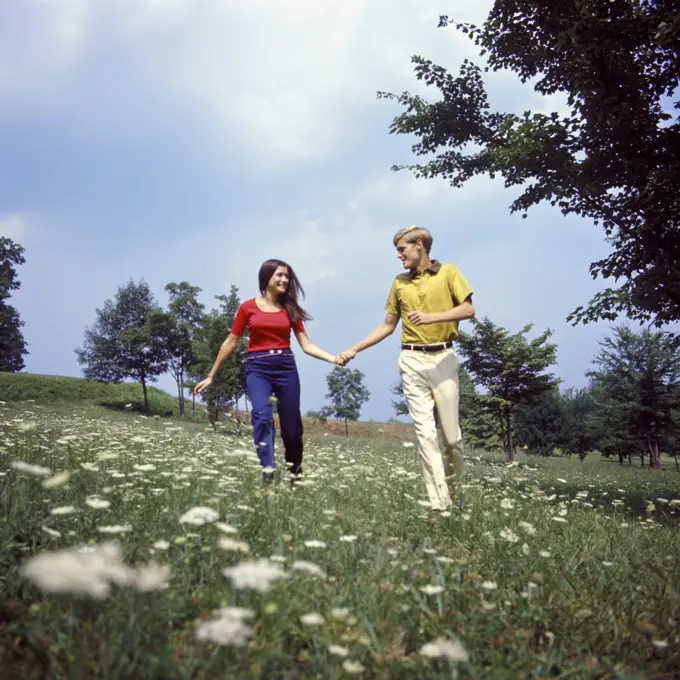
(550, 570)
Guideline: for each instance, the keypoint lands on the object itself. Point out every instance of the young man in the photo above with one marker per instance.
(430, 299)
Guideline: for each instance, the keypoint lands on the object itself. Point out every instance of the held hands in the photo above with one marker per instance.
(202, 385)
(344, 358)
(421, 318)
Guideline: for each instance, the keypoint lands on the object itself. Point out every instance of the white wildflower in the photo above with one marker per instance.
(312, 619)
(30, 469)
(89, 571)
(63, 510)
(115, 529)
(52, 532)
(199, 516)
(348, 539)
(529, 528)
(452, 650)
(224, 630)
(337, 650)
(429, 589)
(489, 586)
(340, 613)
(509, 535)
(255, 574)
(226, 528)
(353, 667)
(97, 503)
(152, 577)
(226, 543)
(309, 568)
(315, 544)
(161, 545)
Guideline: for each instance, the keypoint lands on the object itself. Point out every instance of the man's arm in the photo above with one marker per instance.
(385, 329)
(460, 312)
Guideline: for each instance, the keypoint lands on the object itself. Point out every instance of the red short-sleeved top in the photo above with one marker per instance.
(266, 330)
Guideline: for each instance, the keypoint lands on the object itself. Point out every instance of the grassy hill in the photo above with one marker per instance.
(50, 389)
(54, 389)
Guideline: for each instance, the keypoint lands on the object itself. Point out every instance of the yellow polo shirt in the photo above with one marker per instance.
(437, 289)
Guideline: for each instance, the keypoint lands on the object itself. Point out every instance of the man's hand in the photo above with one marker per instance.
(421, 318)
(346, 356)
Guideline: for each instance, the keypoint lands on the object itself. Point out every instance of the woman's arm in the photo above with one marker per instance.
(308, 347)
(226, 350)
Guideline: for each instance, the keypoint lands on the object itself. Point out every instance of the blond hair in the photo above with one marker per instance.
(413, 234)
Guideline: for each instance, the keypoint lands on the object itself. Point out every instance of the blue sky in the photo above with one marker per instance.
(190, 140)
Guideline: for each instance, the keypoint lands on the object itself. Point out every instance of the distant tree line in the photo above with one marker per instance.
(630, 407)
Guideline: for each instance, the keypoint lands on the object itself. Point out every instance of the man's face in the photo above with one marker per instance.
(409, 253)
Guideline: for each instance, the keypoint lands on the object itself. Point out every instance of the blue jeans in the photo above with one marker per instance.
(276, 374)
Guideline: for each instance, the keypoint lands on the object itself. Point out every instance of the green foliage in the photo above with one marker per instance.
(510, 368)
(480, 428)
(614, 158)
(53, 389)
(12, 343)
(637, 388)
(229, 385)
(122, 344)
(347, 394)
(539, 423)
(400, 405)
(175, 329)
(577, 436)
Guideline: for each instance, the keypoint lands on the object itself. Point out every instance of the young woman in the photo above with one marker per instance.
(270, 364)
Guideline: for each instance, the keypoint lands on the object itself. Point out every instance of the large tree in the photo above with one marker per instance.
(122, 343)
(511, 368)
(637, 378)
(229, 385)
(613, 158)
(176, 329)
(12, 343)
(347, 394)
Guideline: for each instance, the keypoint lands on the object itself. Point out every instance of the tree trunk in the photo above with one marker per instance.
(146, 396)
(346, 429)
(642, 459)
(654, 457)
(180, 396)
(193, 402)
(509, 456)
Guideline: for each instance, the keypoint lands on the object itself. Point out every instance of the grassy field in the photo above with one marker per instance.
(161, 555)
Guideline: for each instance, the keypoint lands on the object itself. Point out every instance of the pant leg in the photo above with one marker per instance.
(445, 388)
(287, 391)
(414, 375)
(260, 388)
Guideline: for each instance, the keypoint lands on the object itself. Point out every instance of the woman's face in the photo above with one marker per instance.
(278, 284)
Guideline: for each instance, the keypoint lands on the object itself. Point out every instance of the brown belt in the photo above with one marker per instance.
(429, 348)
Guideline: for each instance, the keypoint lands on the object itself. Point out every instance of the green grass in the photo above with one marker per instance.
(50, 389)
(538, 579)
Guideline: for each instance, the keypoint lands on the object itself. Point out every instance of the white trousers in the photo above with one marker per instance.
(431, 378)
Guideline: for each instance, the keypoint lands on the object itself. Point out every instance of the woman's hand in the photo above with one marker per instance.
(202, 385)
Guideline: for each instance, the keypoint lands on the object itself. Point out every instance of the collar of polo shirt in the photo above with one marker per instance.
(434, 267)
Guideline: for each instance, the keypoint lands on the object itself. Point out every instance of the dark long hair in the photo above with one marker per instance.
(289, 299)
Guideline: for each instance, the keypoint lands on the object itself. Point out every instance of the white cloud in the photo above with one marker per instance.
(281, 81)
